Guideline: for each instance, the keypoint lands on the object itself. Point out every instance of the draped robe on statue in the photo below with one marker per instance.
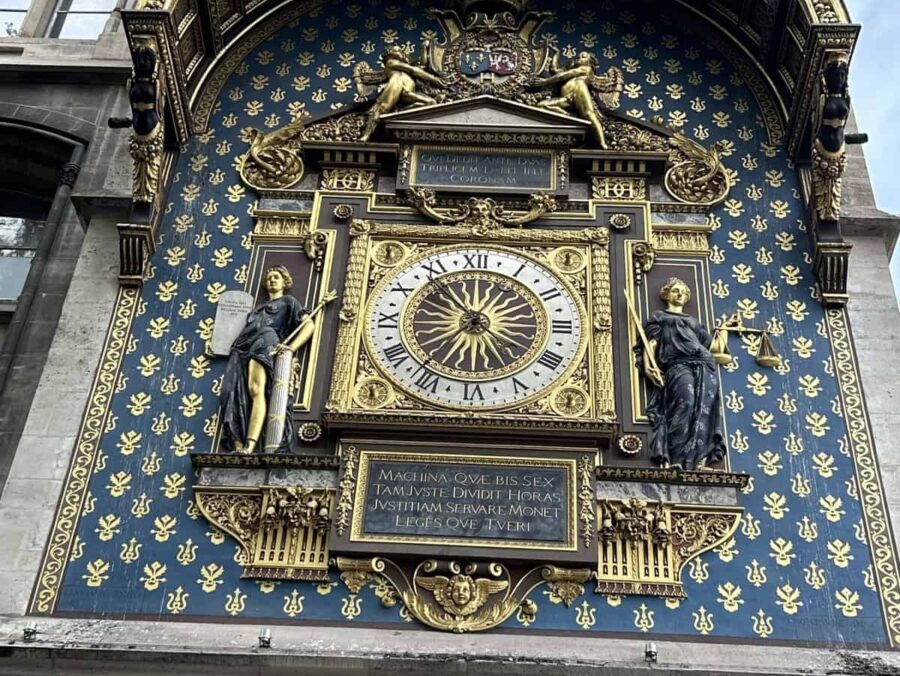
(685, 415)
(269, 324)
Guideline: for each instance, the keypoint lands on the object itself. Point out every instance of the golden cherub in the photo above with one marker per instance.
(398, 77)
(461, 595)
(580, 83)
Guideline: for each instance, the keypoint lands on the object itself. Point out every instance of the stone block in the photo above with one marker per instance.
(42, 457)
(15, 589)
(30, 495)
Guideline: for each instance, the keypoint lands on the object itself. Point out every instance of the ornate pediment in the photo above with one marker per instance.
(486, 115)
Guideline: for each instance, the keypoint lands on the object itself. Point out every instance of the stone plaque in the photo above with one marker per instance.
(231, 315)
(469, 501)
(455, 168)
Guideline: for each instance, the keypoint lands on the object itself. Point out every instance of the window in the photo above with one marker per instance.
(12, 13)
(21, 227)
(80, 19)
(19, 239)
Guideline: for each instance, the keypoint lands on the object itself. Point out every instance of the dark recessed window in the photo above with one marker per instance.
(12, 13)
(19, 239)
(80, 19)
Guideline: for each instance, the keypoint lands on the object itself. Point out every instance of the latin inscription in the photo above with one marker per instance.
(488, 169)
(462, 501)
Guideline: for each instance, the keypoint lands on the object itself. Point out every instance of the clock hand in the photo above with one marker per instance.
(505, 343)
(445, 293)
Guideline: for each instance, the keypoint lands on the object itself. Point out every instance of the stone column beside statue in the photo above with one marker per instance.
(257, 384)
(683, 403)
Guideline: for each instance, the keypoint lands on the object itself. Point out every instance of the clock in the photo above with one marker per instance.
(474, 327)
(500, 329)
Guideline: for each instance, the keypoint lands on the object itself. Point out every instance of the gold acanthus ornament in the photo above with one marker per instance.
(481, 214)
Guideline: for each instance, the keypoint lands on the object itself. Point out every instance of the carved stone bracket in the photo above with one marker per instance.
(644, 545)
(282, 530)
(448, 596)
(830, 263)
(481, 214)
(136, 245)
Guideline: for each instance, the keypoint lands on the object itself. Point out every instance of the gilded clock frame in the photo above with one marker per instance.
(353, 364)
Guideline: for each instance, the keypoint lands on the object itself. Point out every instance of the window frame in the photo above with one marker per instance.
(62, 11)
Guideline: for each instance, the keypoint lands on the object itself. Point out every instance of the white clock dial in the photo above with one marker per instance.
(475, 327)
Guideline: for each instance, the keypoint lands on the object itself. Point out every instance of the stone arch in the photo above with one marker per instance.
(773, 108)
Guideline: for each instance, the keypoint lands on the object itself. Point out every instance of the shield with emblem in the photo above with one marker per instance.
(495, 60)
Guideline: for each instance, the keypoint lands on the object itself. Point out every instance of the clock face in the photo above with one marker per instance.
(474, 327)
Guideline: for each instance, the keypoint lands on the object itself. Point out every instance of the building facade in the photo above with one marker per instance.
(487, 336)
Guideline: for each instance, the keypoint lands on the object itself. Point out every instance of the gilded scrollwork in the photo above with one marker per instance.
(236, 512)
(696, 174)
(566, 583)
(273, 160)
(480, 214)
(448, 596)
(87, 450)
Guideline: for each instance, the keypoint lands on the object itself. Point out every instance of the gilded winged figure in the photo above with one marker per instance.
(581, 87)
(397, 81)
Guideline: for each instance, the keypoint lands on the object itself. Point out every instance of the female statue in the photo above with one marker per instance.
(278, 325)
(683, 404)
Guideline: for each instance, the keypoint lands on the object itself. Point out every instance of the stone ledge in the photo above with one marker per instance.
(72, 646)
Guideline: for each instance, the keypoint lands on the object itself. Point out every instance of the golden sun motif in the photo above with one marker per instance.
(475, 324)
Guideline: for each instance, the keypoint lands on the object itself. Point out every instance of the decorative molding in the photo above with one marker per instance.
(87, 448)
(876, 512)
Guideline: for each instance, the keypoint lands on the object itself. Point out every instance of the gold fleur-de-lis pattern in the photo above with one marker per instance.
(800, 565)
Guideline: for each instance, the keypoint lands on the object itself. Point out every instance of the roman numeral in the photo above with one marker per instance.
(472, 392)
(396, 354)
(562, 326)
(398, 287)
(476, 260)
(521, 267)
(434, 268)
(428, 381)
(519, 385)
(550, 294)
(386, 321)
(550, 359)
